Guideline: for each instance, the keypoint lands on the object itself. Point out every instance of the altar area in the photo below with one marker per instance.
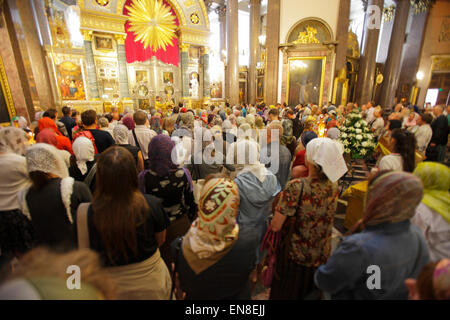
(101, 63)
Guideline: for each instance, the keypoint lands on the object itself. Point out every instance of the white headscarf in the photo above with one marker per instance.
(120, 134)
(84, 151)
(324, 152)
(248, 151)
(13, 140)
(46, 158)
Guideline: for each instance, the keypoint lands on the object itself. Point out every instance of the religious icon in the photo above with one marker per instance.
(260, 87)
(70, 81)
(141, 76)
(216, 90)
(305, 80)
(168, 77)
(242, 92)
(142, 90)
(193, 84)
(102, 43)
(194, 53)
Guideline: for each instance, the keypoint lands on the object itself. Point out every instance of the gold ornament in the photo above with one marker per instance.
(152, 23)
(308, 36)
(102, 3)
(195, 18)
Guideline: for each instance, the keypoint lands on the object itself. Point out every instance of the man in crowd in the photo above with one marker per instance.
(141, 135)
(440, 133)
(103, 139)
(68, 121)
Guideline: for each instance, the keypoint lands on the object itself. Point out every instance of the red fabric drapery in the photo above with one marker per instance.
(135, 50)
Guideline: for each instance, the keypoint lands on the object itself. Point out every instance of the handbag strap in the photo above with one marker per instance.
(137, 142)
(82, 226)
(90, 176)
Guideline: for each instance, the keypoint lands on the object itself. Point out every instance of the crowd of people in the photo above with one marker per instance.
(180, 204)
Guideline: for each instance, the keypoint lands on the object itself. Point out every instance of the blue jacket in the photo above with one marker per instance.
(398, 249)
(256, 201)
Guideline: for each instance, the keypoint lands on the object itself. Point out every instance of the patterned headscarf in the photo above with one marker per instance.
(436, 183)
(392, 197)
(46, 158)
(155, 123)
(120, 133)
(160, 155)
(13, 140)
(47, 136)
(288, 133)
(215, 230)
(187, 120)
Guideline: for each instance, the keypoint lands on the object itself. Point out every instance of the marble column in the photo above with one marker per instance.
(272, 51)
(393, 63)
(91, 73)
(342, 35)
(366, 74)
(232, 52)
(123, 70)
(255, 9)
(184, 47)
(222, 13)
(205, 66)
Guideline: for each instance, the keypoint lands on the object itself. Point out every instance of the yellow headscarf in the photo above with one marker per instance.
(436, 182)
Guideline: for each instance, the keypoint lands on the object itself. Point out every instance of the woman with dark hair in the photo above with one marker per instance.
(299, 168)
(173, 185)
(50, 203)
(304, 215)
(126, 228)
(388, 243)
(404, 150)
(433, 282)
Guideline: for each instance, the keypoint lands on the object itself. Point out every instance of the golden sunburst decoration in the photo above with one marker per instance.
(152, 23)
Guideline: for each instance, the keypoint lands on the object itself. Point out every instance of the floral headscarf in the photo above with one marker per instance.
(392, 197)
(13, 140)
(155, 123)
(288, 134)
(120, 133)
(436, 183)
(46, 158)
(215, 230)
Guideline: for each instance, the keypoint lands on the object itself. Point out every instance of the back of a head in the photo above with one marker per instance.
(405, 145)
(65, 110)
(51, 113)
(275, 126)
(103, 122)
(139, 118)
(273, 112)
(427, 118)
(89, 117)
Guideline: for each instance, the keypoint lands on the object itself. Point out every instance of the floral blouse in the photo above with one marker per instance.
(310, 244)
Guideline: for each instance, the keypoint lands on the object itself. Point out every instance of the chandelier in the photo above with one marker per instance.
(152, 23)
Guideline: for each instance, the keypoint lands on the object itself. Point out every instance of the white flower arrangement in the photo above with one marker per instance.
(356, 136)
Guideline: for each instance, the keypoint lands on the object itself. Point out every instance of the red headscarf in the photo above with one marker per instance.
(47, 136)
(62, 142)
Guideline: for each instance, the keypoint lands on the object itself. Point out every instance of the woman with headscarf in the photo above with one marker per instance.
(49, 136)
(388, 243)
(53, 197)
(288, 138)
(433, 213)
(62, 142)
(304, 214)
(258, 186)
(333, 134)
(120, 134)
(299, 167)
(215, 258)
(173, 185)
(155, 123)
(82, 167)
(240, 121)
(16, 234)
(126, 228)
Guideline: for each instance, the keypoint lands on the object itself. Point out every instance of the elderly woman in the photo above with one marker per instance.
(388, 241)
(216, 256)
(82, 167)
(433, 213)
(173, 185)
(258, 186)
(333, 134)
(288, 139)
(53, 196)
(304, 215)
(120, 134)
(49, 136)
(16, 234)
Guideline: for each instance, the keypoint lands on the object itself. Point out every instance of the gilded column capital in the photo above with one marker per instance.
(87, 34)
(184, 47)
(120, 38)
